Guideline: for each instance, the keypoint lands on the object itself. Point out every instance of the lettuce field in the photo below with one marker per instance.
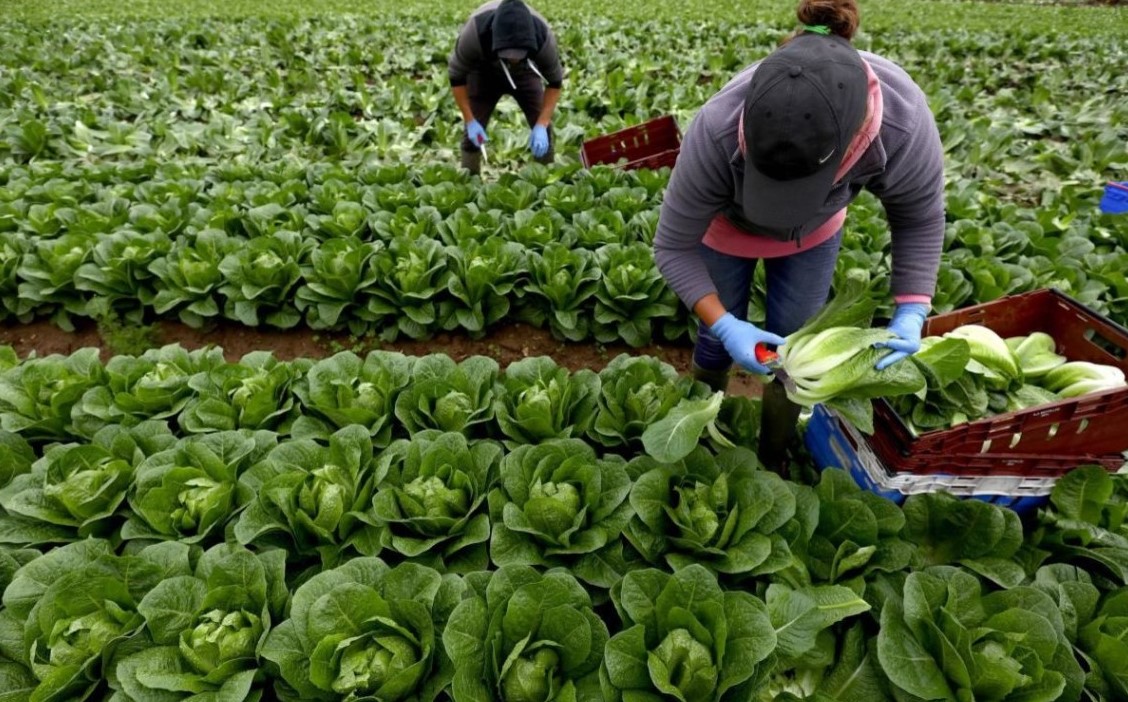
(368, 524)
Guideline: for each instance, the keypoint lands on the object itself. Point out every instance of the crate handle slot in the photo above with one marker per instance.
(1111, 348)
(1015, 438)
(986, 446)
(1053, 430)
(1082, 425)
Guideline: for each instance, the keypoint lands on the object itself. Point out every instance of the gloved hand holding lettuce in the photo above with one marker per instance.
(834, 358)
(907, 323)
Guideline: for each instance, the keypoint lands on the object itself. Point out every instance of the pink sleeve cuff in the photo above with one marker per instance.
(910, 299)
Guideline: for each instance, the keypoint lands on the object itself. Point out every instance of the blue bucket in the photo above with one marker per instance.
(1115, 200)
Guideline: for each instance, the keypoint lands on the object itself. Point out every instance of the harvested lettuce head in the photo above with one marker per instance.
(1081, 378)
(832, 358)
(990, 356)
(1036, 354)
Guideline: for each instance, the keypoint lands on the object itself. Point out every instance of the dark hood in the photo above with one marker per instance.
(513, 27)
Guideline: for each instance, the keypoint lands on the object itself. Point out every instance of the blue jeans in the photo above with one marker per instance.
(797, 288)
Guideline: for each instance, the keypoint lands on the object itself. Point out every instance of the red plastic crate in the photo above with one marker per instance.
(1087, 426)
(652, 144)
(984, 464)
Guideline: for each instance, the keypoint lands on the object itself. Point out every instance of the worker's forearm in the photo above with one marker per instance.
(709, 309)
(551, 97)
(462, 99)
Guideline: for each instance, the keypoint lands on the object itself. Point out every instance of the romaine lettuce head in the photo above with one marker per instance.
(537, 400)
(254, 393)
(991, 357)
(1036, 354)
(77, 490)
(366, 631)
(206, 628)
(190, 491)
(154, 385)
(36, 396)
(635, 392)
(1077, 378)
(945, 640)
(344, 390)
(684, 638)
(449, 396)
(73, 643)
(430, 503)
(556, 503)
(724, 513)
(309, 497)
(526, 636)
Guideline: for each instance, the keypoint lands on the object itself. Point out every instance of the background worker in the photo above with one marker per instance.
(766, 170)
(505, 48)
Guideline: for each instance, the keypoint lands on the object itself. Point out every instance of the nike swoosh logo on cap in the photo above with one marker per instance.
(825, 158)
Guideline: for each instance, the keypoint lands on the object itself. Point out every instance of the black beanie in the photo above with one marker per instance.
(513, 27)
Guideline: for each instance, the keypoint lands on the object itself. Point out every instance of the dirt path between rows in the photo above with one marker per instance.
(505, 344)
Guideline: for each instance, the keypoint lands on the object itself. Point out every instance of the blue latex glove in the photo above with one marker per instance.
(908, 320)
(740, 339)
(475, 133)
(538, 141)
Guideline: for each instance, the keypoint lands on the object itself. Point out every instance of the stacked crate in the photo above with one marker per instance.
(1011, 458)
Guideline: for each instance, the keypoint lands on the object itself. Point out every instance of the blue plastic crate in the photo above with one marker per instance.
(835, 444)
(1115, 199)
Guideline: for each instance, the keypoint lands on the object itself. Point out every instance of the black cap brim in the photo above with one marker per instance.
(785, 204)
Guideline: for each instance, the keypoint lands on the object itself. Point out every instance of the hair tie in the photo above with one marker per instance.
(817, 29)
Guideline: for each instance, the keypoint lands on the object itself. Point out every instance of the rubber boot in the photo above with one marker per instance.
(717, 380)
(779, 427)
(472, 161)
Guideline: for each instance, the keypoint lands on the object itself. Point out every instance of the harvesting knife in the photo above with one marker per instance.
(771, 359)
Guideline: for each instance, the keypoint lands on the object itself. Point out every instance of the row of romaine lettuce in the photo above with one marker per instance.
(263, 252)
(941, 600)
(623, 408)
(411, 286)
(327, 202)
(436, 498)
(993, 248)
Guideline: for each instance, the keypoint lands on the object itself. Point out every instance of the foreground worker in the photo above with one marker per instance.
(766, 170)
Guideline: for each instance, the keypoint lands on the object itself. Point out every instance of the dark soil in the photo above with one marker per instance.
(506, 344)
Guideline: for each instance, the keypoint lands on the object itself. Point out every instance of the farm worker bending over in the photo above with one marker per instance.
(505, 48)
(766, 170)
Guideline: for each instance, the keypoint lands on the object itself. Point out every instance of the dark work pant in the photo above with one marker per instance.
(797, 288)
(486, 87)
